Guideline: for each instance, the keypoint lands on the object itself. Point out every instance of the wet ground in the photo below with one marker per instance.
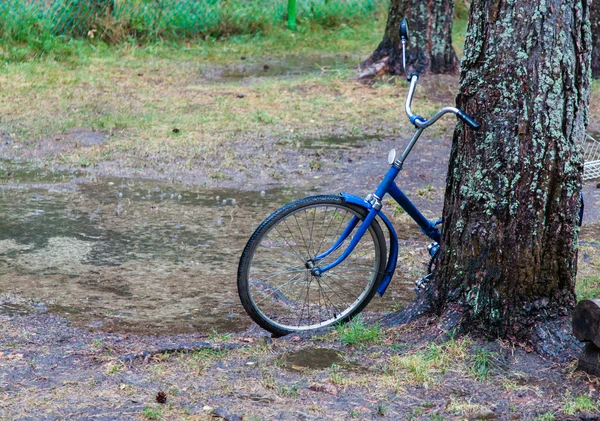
(249, 70)
(135, 255)
(105, 263)
(144, 256)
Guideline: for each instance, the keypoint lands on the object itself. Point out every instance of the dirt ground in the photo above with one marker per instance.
(52, 370)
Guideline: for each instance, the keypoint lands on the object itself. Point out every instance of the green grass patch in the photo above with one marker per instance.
(482, 364)
(152, 413)
(425, 367)
(119, 20)
(357, 332)
(587, 287)
(573, 405)
(547, 416)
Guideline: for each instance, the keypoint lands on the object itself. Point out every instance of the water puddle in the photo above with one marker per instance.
(288, 66)
(137, 256)
(335, 142)
(17, 172)
(317, 359)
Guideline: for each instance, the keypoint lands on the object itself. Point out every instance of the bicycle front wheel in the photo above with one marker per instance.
(275, 280)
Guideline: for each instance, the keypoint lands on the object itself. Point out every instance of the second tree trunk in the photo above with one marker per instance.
(430, 48)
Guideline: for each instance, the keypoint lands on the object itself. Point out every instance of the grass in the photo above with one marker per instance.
(38, 22)
(587, 287)
(139, 95)
(459, 27)
(583, 403)
(482, 364)
(202, 359)
(152, 413)
(427, 366)
(357, 332)
(164, 102)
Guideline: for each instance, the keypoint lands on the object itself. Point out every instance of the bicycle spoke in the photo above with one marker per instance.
(335, 293)
(290, 246)
(302, 235)
(282, 252)
(285, 293)
(280, 288)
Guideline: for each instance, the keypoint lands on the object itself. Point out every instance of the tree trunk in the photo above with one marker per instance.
(430, 48)
(595, 19)
(509, 253)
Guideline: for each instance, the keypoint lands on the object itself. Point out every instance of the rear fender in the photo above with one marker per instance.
(393, 245)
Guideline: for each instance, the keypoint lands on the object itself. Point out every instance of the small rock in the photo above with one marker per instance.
(207, 408)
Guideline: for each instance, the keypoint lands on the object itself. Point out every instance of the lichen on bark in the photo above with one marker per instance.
(512, 198)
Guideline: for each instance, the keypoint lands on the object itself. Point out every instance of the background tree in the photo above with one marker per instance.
(595, 19)
(509, 254)
(430, 49)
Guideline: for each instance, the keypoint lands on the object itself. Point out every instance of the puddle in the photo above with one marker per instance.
(17, 172)
(335, 142)
(316, 359)
(138, 256)
(288, 66)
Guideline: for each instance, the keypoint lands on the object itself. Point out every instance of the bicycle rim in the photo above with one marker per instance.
(283, 293)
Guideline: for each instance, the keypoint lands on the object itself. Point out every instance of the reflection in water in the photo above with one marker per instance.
(136, 255)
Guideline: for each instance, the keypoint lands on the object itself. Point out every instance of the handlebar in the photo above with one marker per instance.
(422, 123)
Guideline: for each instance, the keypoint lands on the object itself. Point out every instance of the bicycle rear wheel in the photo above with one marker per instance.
(275, 283)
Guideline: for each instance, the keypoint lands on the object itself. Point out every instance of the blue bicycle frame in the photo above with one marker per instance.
(373, 202)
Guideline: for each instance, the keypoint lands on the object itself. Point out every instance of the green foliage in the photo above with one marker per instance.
(548, 416)
(356, 332)
(587, 287)
(426, 366)
(120, 20)
(482, 364)
(583, 403)
(152, 413)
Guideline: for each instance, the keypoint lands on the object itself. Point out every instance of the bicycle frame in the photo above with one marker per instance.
(387, 186)
(373, 202)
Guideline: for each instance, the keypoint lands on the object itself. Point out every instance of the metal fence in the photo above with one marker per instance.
(114, 19)
(591, 168)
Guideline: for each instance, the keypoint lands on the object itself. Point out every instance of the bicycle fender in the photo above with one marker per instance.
(393, 256)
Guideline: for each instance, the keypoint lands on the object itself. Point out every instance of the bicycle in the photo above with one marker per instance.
(318, 261)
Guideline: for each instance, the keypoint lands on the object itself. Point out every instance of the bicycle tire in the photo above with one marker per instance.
(292, 254)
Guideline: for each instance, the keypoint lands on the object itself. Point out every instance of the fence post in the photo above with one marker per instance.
(291, 14)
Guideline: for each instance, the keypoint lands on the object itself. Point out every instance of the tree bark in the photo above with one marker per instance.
(509, 253)
(430, 48)
(595, 19)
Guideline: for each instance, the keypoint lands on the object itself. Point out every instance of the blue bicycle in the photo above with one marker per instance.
(318, 261)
